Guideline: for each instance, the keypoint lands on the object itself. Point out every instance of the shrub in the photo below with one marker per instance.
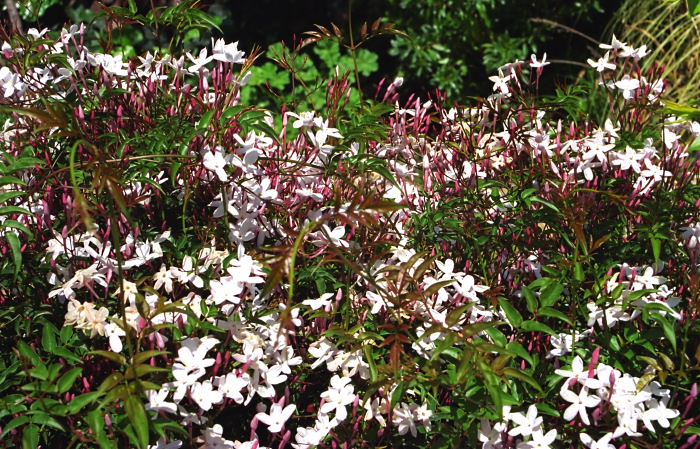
(184, 270)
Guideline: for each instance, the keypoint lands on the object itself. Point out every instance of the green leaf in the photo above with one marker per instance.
(14, 224)
(547, 409)
(9, 210)
(7, 180)
(204, 19)
(9, 195)
(65, 335)
(26, 351)
(230, 112)
(384, 172)
(369, 358)
(146, 355)
(497, 336)
(548, 311)
(444, 343)
(617, 291)
(138, 418)
(668, 328)
(534, 326)
(512, 372)
(484, 346)
(113, 356)
(397, 395)
(136, 371)
(54, 369)
(109, 383)
(578, 272)
(48, 337)
(205, 120)
(530, 299)
(23, 164)
(96, 422)
(537, 199)
(68, 379)
(475, 328)
(66, 354)
(693, 8)
(655, 248)
(635, 295)
(551, 294)
(455, 315)
(493, 386)
(78, 402)
(140, 386)
(116, 393)
(514, 317)
(16, 422)
(42, 387)
(30, 437)
(13, 240)
(521, 352)
(46, 420)
(677, 109)
(692, 431)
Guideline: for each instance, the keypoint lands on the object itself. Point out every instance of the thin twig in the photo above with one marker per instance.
(564, 27)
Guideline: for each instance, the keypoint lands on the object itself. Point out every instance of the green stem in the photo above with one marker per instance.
(353, 51)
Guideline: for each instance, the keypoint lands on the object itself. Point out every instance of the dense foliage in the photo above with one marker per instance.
(183, 269)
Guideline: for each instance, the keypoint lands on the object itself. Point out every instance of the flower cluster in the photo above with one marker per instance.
(349, 280)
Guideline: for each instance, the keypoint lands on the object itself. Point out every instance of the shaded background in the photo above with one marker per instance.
(455, 44)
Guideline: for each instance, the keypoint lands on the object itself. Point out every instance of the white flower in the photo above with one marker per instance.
(403, 419)
(627, 85)
(563, 343)
(216, 162)
(227, 52)
(691, 235)
(190, 364)
(114, 333)
(658, 412)
(579, 403)
(305, 119)
(538, 64)
(114, 65)
(375, 409)
(491, 436)
(213, 439)
(161, 444)
(602, 63)
(326, 236)
(602, 443)
(421, 414)
(527, 424)
(615, 45)
(322, 302)
(163, 278)
(157, 401)
(277, 417)
(539, 440)
(231, 385)
(654, 172)
(340, 394)
(198, 62)
(628, 159)
(188, 272)
(204, 394)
